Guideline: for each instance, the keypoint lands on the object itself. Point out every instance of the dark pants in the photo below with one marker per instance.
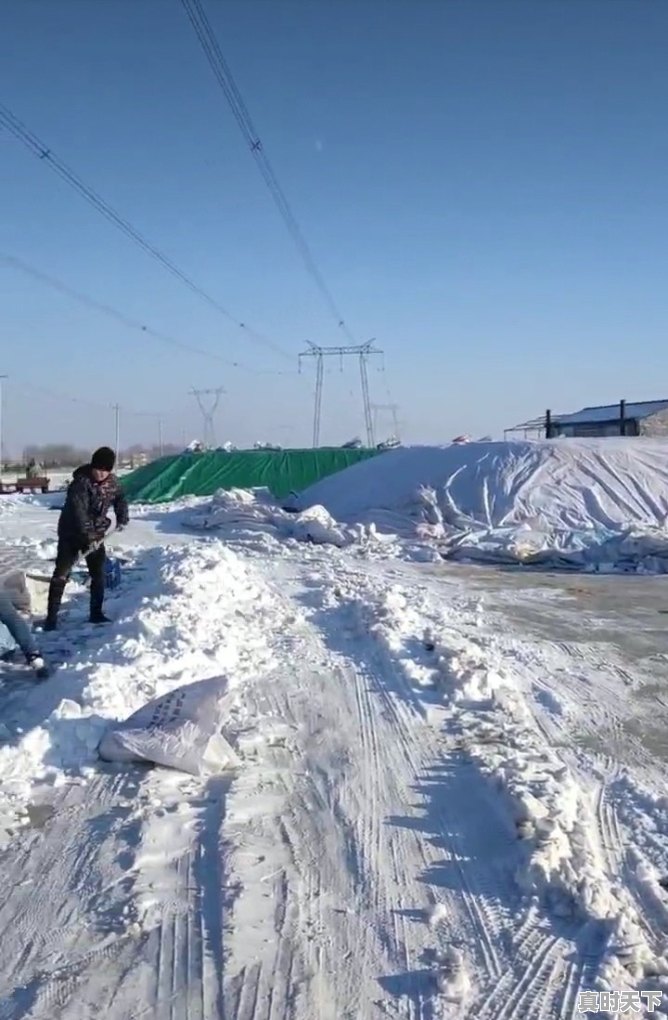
(66, 557)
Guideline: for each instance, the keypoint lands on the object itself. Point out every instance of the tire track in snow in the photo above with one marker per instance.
(583, 704)
(266, 989)
(651, 912)
(374, 846)
(528, 941)
(269, 926)
(65, 914)
(345, 945)
(244, 992)
(49, 995)
(356, 938)
(537, 988)
(488, 919)
(476, 898)
(608, 828)
(496, 917)
(533, 988)
(572, 985)
(176, 943)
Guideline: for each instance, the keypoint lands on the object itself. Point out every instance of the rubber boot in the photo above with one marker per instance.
(56, 592)
(96, 600)
(99, 618)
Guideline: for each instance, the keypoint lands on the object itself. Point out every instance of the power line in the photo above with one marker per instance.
(100, 306)
(15, 127)
(223, 74)
(29, 387)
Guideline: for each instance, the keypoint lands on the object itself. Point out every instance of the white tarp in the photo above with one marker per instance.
(598, 504)
(560, 485)
(181, 730)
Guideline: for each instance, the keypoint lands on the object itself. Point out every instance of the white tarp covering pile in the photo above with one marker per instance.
(597, 503)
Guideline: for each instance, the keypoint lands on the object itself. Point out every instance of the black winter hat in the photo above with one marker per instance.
(103, 459)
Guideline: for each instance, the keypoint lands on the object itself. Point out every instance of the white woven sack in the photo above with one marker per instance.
(181, 730)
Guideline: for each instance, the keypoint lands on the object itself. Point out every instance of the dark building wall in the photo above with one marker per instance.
(583, 430)
(655, 425)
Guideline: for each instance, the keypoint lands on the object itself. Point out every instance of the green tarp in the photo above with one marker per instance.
(201, 474)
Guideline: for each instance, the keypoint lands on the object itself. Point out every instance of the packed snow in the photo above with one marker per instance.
(405, 826)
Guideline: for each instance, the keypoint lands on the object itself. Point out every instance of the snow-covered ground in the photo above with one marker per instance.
(451, 801)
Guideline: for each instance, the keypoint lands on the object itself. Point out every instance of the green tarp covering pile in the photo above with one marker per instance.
(201, 474)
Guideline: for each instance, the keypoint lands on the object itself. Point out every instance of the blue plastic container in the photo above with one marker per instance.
(112, 573)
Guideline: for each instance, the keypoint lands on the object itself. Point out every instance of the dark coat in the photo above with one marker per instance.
(83, 519)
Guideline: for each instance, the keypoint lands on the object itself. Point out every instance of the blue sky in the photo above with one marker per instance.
(482, 184)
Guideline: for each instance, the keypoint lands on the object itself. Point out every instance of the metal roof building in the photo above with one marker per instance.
(644, 418)
(638, 418)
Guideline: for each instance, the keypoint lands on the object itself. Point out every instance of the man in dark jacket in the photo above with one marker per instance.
(81, 529)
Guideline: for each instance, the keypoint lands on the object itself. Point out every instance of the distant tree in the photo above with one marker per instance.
(55, 455)
(65, 455)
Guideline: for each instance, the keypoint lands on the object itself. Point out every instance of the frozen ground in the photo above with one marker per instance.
(451, 804)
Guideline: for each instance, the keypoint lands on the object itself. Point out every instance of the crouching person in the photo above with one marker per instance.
(82, 527)
(21, 633)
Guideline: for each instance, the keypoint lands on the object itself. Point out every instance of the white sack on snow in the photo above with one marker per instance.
(181, 730)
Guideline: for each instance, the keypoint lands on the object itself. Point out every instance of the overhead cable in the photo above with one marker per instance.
(15, 127)
(15, 263)
(223, 74)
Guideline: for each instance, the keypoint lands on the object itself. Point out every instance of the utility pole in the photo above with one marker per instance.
(117, 417)
(393, 409)
(160, 442)
(2, 449)
(363, 352)
(208, 412)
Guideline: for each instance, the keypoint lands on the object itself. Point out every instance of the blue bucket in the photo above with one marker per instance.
(112, 573)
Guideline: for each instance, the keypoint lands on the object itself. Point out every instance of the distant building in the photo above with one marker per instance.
(648, 418)
(643, 418)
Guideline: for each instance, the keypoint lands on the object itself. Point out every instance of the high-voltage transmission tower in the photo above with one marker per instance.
(208, 412)
(393, 410)
(363, 352)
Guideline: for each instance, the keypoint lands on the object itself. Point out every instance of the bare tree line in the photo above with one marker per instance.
(64, 455)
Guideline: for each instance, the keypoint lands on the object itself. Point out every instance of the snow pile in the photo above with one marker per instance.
(189, 618)
(546, 807)
(238, 513)
(598, 503)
